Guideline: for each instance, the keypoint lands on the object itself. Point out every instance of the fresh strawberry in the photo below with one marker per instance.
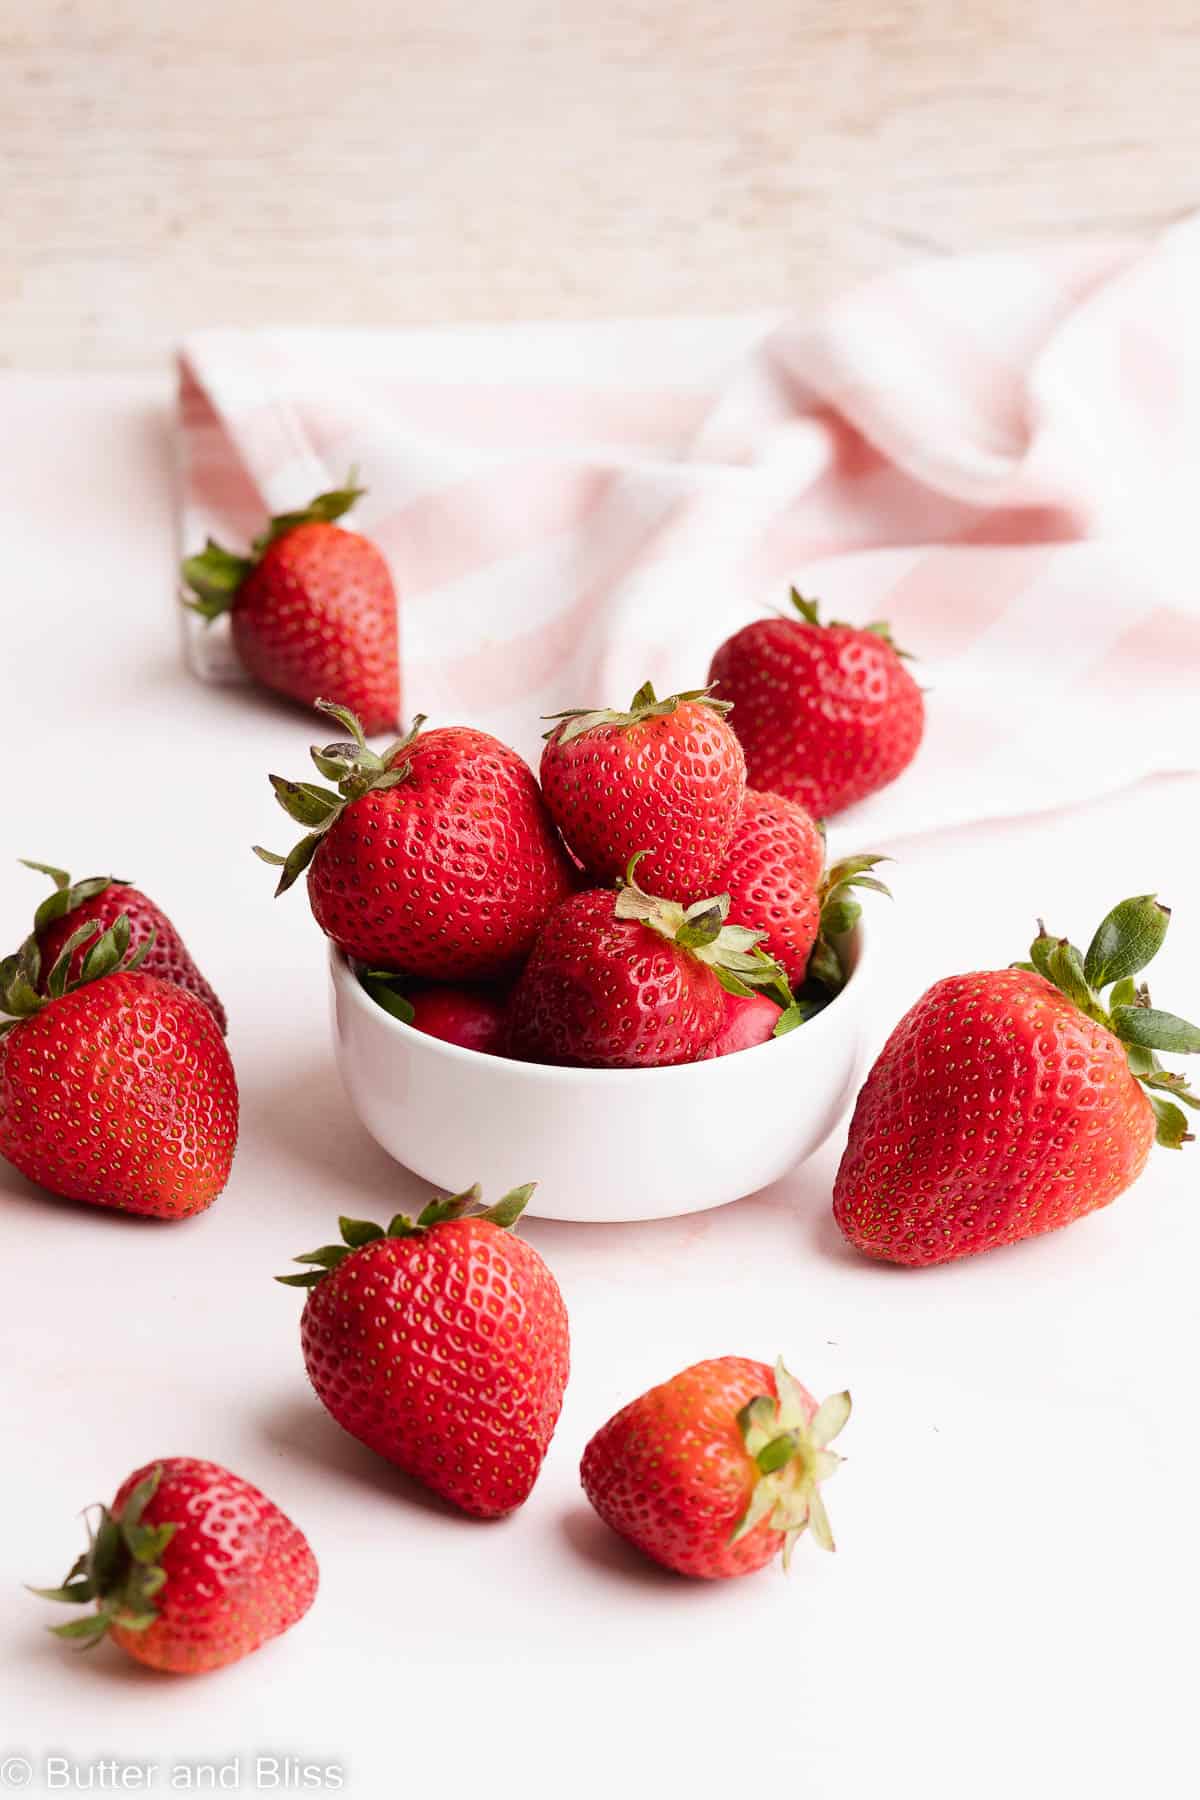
(442, 1345)
(115, 1087)
(312, 609)
(626, 980)
(103, 898)
(436, 858)
(190, 1569)
(474, 1018)
(717, 1470)
(826, 714)
(747, 1020)
(666, 778)
(1011, 1102)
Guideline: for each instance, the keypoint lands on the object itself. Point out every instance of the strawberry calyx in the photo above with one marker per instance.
(840, 913)
(215, 574)
(108, 953)
(67, 894)
(644, 705)
(731, 951)
(810, 612)
(121, 1570)
(791, 1453)
(358, 1232)
(1127, 938)
(356, 769)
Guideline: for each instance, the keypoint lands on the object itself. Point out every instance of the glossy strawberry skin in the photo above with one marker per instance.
(826, 714)
(473, 1018)
(748, 1020)
(448, 875)
(316, 618)
(670, 1472)
(670, 786)
(607, 993)
(168, 957)
(238, 1571)
(996, 1111)
(122, 1094)
(773, 877)
(446, 1353)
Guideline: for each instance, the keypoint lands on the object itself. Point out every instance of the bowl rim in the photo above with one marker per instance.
(344, 978)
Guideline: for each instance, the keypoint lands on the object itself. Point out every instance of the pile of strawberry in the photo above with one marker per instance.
(640, 907)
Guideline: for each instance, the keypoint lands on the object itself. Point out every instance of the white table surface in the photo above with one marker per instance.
(1011, 1607)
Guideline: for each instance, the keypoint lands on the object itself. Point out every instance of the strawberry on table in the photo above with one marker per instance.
(103, 898)
(312, 609)
(435, 858)
(1011, 1102)
(718, 1470)
(442, 1345)
(190, 1569)
(665, 777)
(826, 714)
(630, 980)
(115, 1086)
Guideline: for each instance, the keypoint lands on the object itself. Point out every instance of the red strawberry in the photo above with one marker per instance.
(435, 859)
(717, 1470)
(442, 1345)
(474, 1018)
(772, 873)
(826, 714)
(103, 898)
(191, 1569)
(312, 609)
(1009, 1103)
(629, 981)
(115, 1087)
(747, 1021)
(666, 777)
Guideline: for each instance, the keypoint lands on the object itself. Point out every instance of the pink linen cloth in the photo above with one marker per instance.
(999, 455)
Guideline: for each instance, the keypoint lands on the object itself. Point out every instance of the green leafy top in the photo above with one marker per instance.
(108, 952)
(644, 705)
(355, 768)
(121, 1570)
(792, 1456)
(1128, 938)
(67, 894)
(358, 1232)
(810, 612)
(731, 951)
(215, 575)
(840, 913)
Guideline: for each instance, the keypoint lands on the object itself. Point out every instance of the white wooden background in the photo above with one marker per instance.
(171, 163)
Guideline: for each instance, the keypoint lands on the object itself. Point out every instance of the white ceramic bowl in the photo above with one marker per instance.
(602, 1144)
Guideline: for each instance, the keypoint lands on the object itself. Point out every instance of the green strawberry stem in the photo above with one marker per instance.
(121, 1570)
(810, 612)
(215, 574)
(356, 769)
(357, 1232)
(840, 913)
(791, 1453)
(730, 951)
(1126, 940)
(107, 954)
(644, 705)
(67, 894)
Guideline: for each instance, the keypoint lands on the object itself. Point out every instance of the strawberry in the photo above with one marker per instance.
(436, 858)
(474, 1018)
(665, 777)
(115, 1086)
(826, 714)
(191, 1569)
(630, 981)
(103, 898)
(1012, 1102)
(312, 609)
(441, 1345)
(746, 1021)
(718, 1469)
